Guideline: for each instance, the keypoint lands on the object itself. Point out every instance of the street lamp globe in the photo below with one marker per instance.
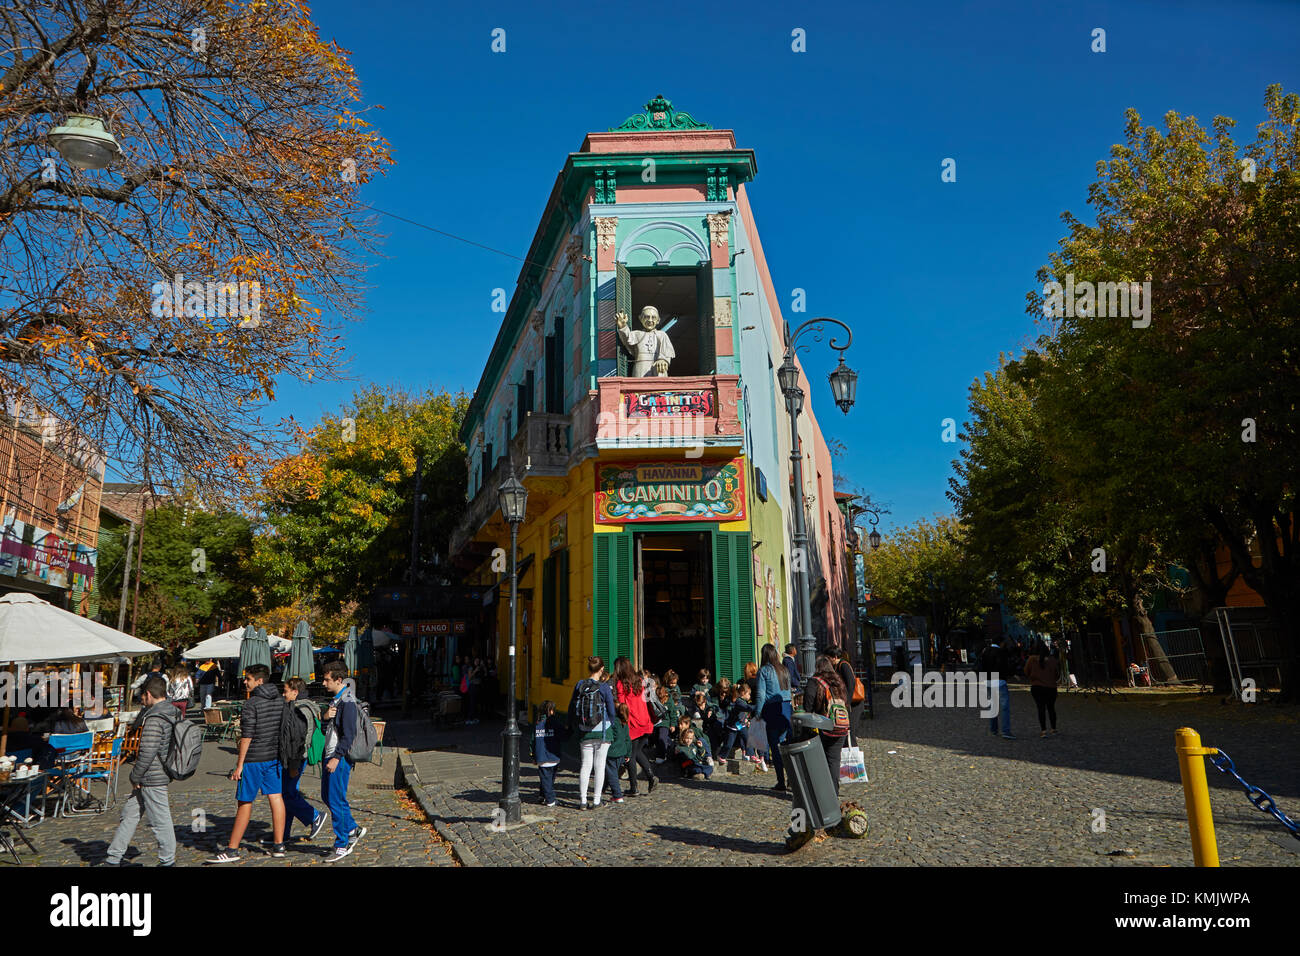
(788, 376)
(84, 142)
(844, 386)
(874, 538)
(513, 497)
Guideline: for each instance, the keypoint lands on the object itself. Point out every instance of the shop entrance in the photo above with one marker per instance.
(674, 603)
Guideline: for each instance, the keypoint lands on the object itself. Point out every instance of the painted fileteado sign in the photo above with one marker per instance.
(668, 404)
(671, 491)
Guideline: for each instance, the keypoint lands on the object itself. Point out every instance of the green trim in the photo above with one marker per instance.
(563, 209)
(659, 114)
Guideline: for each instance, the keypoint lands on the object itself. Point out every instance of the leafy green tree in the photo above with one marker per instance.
(338, 512)
(1189, 421)
(196, 571)
(924, 569)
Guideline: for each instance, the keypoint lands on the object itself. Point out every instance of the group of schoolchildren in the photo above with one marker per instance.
(688, 729)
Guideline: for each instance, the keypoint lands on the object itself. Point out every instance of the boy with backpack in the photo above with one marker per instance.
(258, 767)
(149, 779)
(302, 744)
(342, 721)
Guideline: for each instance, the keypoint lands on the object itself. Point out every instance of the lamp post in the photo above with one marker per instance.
(514, 504)
(874, 539)
(844, 386)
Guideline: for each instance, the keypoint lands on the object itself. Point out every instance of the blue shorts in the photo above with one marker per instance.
(260, 777)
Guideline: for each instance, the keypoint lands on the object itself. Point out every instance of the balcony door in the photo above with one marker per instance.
(684, 298)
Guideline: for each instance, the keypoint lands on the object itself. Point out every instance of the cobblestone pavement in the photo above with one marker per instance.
(398, 832)
(942, 791)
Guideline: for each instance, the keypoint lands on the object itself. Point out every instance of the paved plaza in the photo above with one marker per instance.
(203, 808)
(941, 791)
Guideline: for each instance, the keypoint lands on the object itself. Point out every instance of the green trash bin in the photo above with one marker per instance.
(810, 779)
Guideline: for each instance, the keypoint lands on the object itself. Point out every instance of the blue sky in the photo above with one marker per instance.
(849, 136)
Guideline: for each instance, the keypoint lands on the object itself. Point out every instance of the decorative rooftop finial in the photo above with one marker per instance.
(659, 114)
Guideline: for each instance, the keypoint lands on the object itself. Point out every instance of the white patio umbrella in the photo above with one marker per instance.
(227, 645)
(33, 631)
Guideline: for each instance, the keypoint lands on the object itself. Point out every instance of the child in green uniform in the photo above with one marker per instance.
(618, 752)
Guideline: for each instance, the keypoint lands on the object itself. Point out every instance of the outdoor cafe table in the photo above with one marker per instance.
(11, 792)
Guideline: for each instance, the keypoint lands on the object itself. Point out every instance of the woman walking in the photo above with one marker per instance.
(180, 688)
(774, 706)
(592, 716)
(826, 696)
(628, 690)
(1043, 671)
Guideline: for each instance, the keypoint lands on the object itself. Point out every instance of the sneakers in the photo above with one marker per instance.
(355, 836)
(1043, 734)
(700, 776)
(1008, 736)
(616, 800)
(709, 761)
(1053, 731)
(225, 855)
(338, 853)
(650, 788)
(551, 804)
(316, 826)
(277, 850)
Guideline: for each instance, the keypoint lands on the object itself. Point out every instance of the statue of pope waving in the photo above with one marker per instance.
(651, 350)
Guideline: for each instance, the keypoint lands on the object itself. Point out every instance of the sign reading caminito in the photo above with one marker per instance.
(670, 491)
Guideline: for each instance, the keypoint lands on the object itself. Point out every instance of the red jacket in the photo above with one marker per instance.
(639, 723)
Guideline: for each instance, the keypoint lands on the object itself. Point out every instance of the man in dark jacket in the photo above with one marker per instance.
(994, 668)
(148, 778)
(258, 768)
(791, 662)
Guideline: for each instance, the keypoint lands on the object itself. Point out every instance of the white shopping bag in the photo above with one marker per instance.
(853, 767)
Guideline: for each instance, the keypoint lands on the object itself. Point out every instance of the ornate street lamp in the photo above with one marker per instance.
(843, 387)
(513, 498)
(84, 142)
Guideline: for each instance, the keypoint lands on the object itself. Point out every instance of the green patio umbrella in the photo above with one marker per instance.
(253, 649)
(301, 663)
(366, 651)
(350, 650)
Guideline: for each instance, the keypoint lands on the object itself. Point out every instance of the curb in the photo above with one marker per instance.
(462, 853)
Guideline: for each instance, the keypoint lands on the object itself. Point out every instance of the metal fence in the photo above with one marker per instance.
(1254, 648)
(1184, 651)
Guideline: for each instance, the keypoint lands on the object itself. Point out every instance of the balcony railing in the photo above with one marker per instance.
(695, 413)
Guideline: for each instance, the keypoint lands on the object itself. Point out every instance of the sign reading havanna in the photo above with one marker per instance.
(667, 491)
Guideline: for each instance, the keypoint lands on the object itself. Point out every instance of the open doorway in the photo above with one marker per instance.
(674, 603)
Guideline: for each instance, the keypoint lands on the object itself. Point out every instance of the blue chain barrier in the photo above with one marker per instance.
(1261, 800)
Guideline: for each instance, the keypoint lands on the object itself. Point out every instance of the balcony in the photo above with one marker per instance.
(540, 449)
(697, 413)
(688, 411)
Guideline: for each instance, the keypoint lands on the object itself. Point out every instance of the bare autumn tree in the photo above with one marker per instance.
(242, 144)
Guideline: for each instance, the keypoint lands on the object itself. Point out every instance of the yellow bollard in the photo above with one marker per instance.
(1196, 794)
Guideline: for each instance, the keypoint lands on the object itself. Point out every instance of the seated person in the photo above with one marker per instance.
(704, 715)
(685, 723)
(692, 756)
(703, 682)
(670, 682)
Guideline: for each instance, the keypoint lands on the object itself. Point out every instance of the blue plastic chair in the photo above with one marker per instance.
(102, 766)
(73, 758)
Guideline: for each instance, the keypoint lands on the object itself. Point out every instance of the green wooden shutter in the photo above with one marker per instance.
(622, 303)
(733, 601)
(613, 611)
(550, 374)
(548, 617)
(704, 296)
(562, 606)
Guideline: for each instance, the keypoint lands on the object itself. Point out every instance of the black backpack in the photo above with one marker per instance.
(591, 705)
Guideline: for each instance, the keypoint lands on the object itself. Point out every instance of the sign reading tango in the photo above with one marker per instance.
(669, 491)
(434, 628)
(667, 404)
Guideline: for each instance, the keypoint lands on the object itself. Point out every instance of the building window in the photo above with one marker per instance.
(684, 299)
(555, 616)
